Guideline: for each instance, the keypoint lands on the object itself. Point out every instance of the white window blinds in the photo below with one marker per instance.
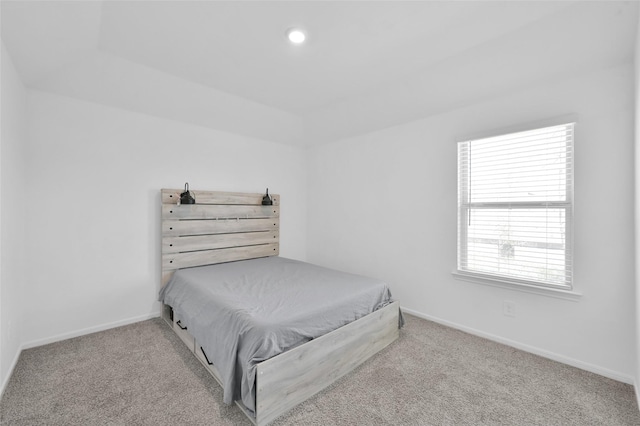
(515, 208)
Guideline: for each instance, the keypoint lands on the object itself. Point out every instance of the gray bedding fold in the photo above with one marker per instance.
(245, 312)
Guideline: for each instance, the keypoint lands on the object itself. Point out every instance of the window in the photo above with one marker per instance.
(515, 205)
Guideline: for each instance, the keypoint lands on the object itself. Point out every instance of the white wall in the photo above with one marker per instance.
(637, 208)
(13, 122)
(94, 180)
(384, 204)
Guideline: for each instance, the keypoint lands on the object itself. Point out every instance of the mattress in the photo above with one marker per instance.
(242, 313)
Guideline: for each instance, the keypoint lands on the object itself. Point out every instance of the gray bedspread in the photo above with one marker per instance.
(245, 312)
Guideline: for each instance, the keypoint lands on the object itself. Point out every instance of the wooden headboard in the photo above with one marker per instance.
(220, 227)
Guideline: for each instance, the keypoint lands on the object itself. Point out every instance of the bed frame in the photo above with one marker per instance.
(230, 226)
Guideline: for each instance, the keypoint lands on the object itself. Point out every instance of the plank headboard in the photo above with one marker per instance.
(220, 227)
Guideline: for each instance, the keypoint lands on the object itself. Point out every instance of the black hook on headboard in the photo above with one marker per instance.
(186, 197)
(266, 200)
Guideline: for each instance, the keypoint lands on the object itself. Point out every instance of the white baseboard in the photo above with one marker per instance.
(64, 336)
(635, 387)
(88, 330)
(3, 386)
(531, 349)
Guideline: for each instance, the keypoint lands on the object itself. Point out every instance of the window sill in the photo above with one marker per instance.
(571, 295)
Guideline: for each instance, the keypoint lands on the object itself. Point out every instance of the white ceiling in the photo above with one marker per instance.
(367, 64)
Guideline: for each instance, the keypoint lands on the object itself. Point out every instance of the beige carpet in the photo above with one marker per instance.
(142, 374)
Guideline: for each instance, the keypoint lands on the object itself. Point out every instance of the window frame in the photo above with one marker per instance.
(464, 207)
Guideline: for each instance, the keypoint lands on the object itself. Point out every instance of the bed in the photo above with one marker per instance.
(271, 356)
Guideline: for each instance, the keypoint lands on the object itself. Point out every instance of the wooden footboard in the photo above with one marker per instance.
(292, 377)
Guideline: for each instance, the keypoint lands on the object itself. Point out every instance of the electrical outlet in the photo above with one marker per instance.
(509, 308)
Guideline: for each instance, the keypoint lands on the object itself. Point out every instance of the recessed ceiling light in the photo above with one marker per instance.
(296, 35)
